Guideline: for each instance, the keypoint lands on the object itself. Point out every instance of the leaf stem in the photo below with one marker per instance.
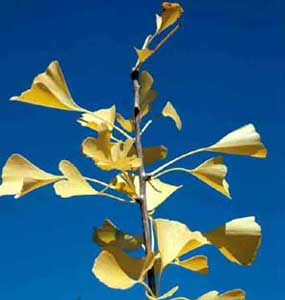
(114, 197)
(170, 170)
(98, 182)
(142, 177)
(171, 162)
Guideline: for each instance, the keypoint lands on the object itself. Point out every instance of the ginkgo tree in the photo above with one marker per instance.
(117, 145)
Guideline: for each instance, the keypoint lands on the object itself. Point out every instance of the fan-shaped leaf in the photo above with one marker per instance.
(109, 235)
(73, 184)
(99, 120)
(20, 176)
(229, 295)
(50, 89)
(109, 156)
(242, 141)
(119, 270)
(171, 12)
(238, 240)
(171, 238)
(213, 173)
(198, 263)
(169, 111)
(157, 192)
(147, 94)
(152, 154)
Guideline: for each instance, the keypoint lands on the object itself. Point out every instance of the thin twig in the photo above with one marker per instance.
(171, 162)
(171, 170)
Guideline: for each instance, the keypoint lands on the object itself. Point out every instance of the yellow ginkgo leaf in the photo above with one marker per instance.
(73, 184)
(124, 183)
(157, 192)
(118, 270)
(20, 176)
(212, 295)
(143, 54)
(147, 94)
(152, 154)
(242, 141)
(238, 240)
(109, 156)
(168, 294)
(213, 173)
(237, 294)
(50, 89)
(198, 263)
(171, 238)
(127, 124)
(99, 120)
(169, 111)
(109, 235)
(171, 12)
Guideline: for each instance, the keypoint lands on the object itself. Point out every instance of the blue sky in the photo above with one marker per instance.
(223, 69)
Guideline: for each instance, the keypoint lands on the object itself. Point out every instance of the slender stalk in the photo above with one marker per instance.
(142, 177)
(171, 170)
(171, 162)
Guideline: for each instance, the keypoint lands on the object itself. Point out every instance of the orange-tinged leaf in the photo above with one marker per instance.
(171, 12)
(20, 176)
(50, 89)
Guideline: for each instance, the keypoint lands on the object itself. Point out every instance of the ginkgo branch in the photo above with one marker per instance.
(142, 176)
(178, 158)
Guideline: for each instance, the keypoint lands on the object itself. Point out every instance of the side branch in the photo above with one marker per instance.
(142, 176)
